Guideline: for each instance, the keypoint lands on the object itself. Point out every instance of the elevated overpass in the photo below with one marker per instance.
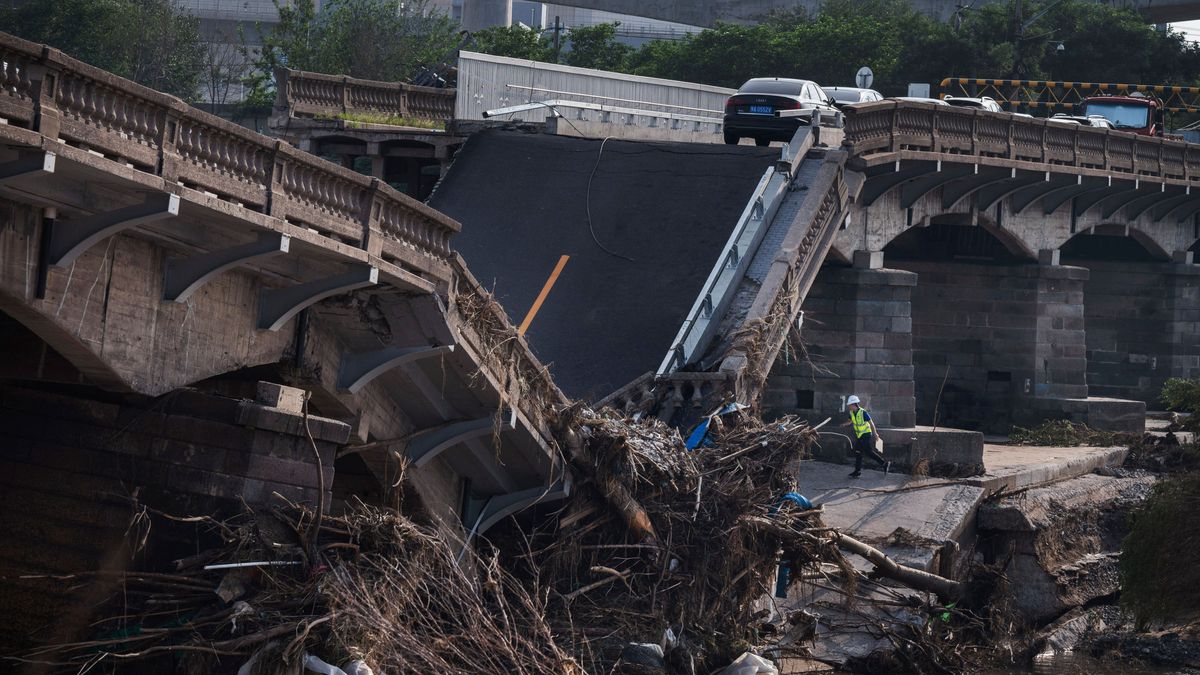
(707, 13)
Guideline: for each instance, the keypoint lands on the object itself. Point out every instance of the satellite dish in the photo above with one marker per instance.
(864, 78)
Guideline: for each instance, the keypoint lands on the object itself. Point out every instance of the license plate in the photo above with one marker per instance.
(762, 110)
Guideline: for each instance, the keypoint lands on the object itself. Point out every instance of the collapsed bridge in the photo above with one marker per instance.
(169, 282)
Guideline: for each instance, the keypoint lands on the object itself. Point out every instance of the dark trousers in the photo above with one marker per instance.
(866, 444)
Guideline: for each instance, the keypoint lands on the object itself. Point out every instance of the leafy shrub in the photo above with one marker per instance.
(1183, 396)
(1160, 579)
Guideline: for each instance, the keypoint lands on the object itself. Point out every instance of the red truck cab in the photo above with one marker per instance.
(1142, 115)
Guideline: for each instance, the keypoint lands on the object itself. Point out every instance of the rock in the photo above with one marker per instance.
(644, 654)
(1069, 631)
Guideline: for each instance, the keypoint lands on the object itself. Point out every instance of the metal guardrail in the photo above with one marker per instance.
(69, 101)
(718, 290)
(305, 94)
(645, 105)
(888, 127)
(487, 82)
(1065, 96)
(554, 105)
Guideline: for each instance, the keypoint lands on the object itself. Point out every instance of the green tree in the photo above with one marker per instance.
(153, 42)
(1101, 43)
(1160, 578)
(597, 47)
(724, 56)
(517, 42)
(370, 39)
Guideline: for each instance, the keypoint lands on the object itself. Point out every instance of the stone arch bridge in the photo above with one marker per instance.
(1006, 269)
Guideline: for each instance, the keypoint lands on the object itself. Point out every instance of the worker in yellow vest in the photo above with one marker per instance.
(865, 434)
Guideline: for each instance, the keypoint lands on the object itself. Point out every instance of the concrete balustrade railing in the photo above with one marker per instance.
(304, 94)
(893, 126)
(67, 100)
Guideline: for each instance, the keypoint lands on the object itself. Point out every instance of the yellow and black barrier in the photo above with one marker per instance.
(1016, 95)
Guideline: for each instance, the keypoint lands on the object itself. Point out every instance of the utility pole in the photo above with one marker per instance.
(1021, 25)
(557, 40)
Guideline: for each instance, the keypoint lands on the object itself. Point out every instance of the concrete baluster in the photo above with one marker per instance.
(278, 165)
(369, 213)
(168, 138)
(45, 79)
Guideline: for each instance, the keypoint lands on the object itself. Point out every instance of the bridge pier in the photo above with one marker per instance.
(995, 344)
(1143, 325)
(857, 338)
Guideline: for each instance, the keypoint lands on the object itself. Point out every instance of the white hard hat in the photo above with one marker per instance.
(852, 399)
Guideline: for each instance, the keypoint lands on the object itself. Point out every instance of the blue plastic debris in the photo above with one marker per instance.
(795, 498)
(699, 435)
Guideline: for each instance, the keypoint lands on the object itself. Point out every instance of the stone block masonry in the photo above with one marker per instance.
(71, 458)
(856, 339)
(1143, 326)
(988, 339)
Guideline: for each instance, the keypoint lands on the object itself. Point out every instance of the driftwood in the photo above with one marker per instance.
(946, 589)
(617, 495)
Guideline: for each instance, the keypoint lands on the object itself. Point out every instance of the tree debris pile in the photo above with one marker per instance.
(501, 349)
(1064, 433)
(664, 546)
(382, 594)
(663, 540)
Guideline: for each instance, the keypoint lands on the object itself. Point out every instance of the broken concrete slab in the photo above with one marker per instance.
(1038, 508)
(930, 511)
(1012, 467)
(1060, 542)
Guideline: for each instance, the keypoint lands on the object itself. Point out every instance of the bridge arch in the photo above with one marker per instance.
(962, 235)
(975, 310)
(64, 343)
(1114, 242)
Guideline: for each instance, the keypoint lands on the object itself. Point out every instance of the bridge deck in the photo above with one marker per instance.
(667, 206)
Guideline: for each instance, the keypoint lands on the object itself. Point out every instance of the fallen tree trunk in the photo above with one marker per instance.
(946, 589)
(636, 518)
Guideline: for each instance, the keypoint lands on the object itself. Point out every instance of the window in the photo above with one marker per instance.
(846, 96)
(805, 399)
(778, 87)
(1122, 115)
